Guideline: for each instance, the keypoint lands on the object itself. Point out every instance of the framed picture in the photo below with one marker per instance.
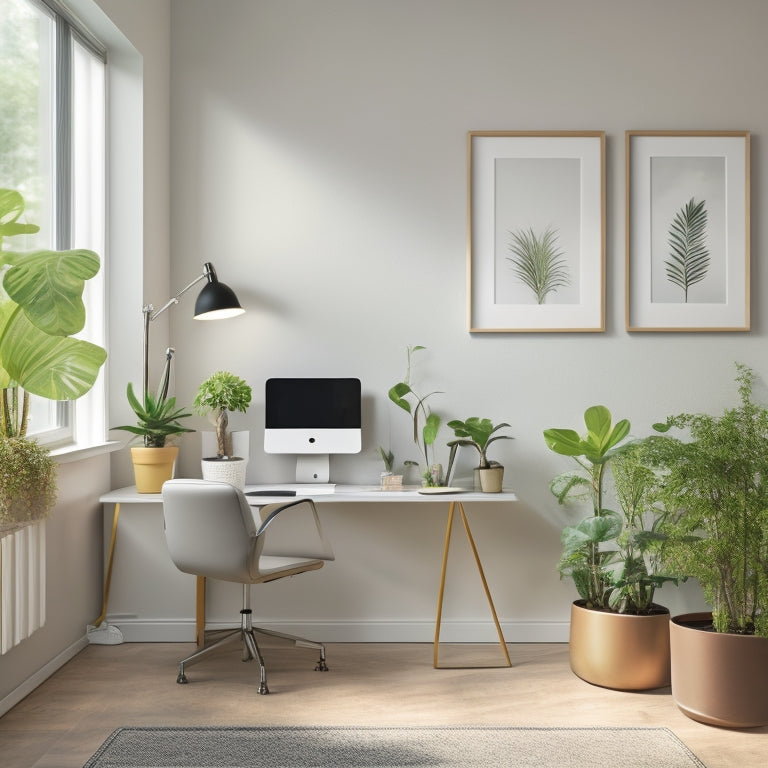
(536, 232)
(687, 231)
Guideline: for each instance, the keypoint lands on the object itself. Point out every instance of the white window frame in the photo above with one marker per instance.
(81, 422)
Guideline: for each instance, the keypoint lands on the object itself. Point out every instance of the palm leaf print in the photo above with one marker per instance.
(537, 262)
(689, 257)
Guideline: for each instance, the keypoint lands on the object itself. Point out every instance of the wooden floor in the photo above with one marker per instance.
(62, 723)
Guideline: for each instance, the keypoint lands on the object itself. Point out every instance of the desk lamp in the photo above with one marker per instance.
(216, 301)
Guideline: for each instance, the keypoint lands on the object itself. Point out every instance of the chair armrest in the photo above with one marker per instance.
(293, 529)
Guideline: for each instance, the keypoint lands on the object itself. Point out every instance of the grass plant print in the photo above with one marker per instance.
(537, 237)
(688, 230)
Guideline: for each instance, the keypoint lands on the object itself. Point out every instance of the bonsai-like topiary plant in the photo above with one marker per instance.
(220, 394)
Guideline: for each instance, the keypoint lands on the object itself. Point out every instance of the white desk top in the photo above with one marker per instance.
(340, 494)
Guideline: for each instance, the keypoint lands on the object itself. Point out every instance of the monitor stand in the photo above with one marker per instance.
(312, 468)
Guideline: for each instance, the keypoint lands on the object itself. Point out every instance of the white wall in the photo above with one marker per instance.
(319, 161)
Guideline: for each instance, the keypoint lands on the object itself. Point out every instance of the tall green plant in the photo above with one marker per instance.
(582, 558)
(717, 479)
(640, 567)
(41, 308)
(689, 258)
(426, 423)
(538, 263)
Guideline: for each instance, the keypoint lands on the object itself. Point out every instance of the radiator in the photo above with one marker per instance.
(22, 584)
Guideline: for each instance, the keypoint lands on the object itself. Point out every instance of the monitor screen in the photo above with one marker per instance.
(312, 416)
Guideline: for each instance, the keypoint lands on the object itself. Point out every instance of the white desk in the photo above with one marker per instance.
(342, 494)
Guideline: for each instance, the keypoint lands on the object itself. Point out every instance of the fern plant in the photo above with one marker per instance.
(689, 258)
(538, 263)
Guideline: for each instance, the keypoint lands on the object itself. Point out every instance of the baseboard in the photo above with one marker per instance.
(180, 631)
(42, 674)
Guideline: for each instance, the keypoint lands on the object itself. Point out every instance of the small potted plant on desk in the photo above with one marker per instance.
(219, 395)
(426, 423)
(158, 419)
(480, 433)
(718, 481)
(619, 638)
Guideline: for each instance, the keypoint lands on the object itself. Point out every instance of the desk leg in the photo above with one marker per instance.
(108, 578)
(200, 612)
(482, 577)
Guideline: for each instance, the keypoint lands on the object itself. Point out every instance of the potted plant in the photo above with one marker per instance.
(389, 480)
(158, 419)
(223, 393)
(619, 638)
(479, 434)
(41, 308)
(426, 423)
(717, 478)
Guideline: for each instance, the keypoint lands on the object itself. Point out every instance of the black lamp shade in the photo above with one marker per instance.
(216, 300)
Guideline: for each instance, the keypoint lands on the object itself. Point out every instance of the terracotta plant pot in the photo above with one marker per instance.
(491, 479)
(153, 466)
(718, 678)
(618, 650)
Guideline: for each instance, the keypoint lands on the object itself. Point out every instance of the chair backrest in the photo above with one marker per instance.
(210, 530)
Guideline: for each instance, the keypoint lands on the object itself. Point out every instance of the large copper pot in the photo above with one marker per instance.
(619, 650)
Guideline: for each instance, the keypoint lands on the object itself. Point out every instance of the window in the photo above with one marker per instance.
(52, 130)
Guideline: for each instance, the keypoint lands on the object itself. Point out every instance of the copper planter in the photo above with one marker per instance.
(618, 650)
(717, 678)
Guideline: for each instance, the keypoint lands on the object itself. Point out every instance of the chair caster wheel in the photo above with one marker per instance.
(263, 690)
(321, 666)
(182, 679)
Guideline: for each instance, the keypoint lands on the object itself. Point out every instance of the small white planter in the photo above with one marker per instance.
(232, 469)
(225, 470)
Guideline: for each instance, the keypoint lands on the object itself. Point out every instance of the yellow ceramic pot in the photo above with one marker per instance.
(153, 466)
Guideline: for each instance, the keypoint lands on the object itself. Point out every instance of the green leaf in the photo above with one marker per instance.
(564, 441)
(431, 428)
(689, 258)
(55, 367)
(11, 208)
(49, 286)
(538, 263)
(397, 396)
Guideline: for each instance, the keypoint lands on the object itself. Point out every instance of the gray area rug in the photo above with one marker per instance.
(319, 747)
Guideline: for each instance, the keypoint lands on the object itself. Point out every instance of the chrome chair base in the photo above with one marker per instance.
(247, 635)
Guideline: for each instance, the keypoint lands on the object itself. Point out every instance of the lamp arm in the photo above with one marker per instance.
(150, 314)
(174, 300)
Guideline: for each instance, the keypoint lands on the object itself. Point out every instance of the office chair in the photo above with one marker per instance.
(210, 531)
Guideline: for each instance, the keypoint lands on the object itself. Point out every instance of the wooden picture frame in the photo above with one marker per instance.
(687, 231)
(536, 231)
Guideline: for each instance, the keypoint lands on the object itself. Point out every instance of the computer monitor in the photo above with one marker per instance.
(312, 418)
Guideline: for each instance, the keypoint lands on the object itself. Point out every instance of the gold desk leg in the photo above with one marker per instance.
(200, 612)
(441, 591)
(502, 642)
(108, 578)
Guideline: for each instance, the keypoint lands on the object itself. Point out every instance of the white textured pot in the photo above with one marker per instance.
(225, 470)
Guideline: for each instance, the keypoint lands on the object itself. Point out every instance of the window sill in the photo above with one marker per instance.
(69, 453)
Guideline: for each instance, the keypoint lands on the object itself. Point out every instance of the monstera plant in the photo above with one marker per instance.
(41, 309)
